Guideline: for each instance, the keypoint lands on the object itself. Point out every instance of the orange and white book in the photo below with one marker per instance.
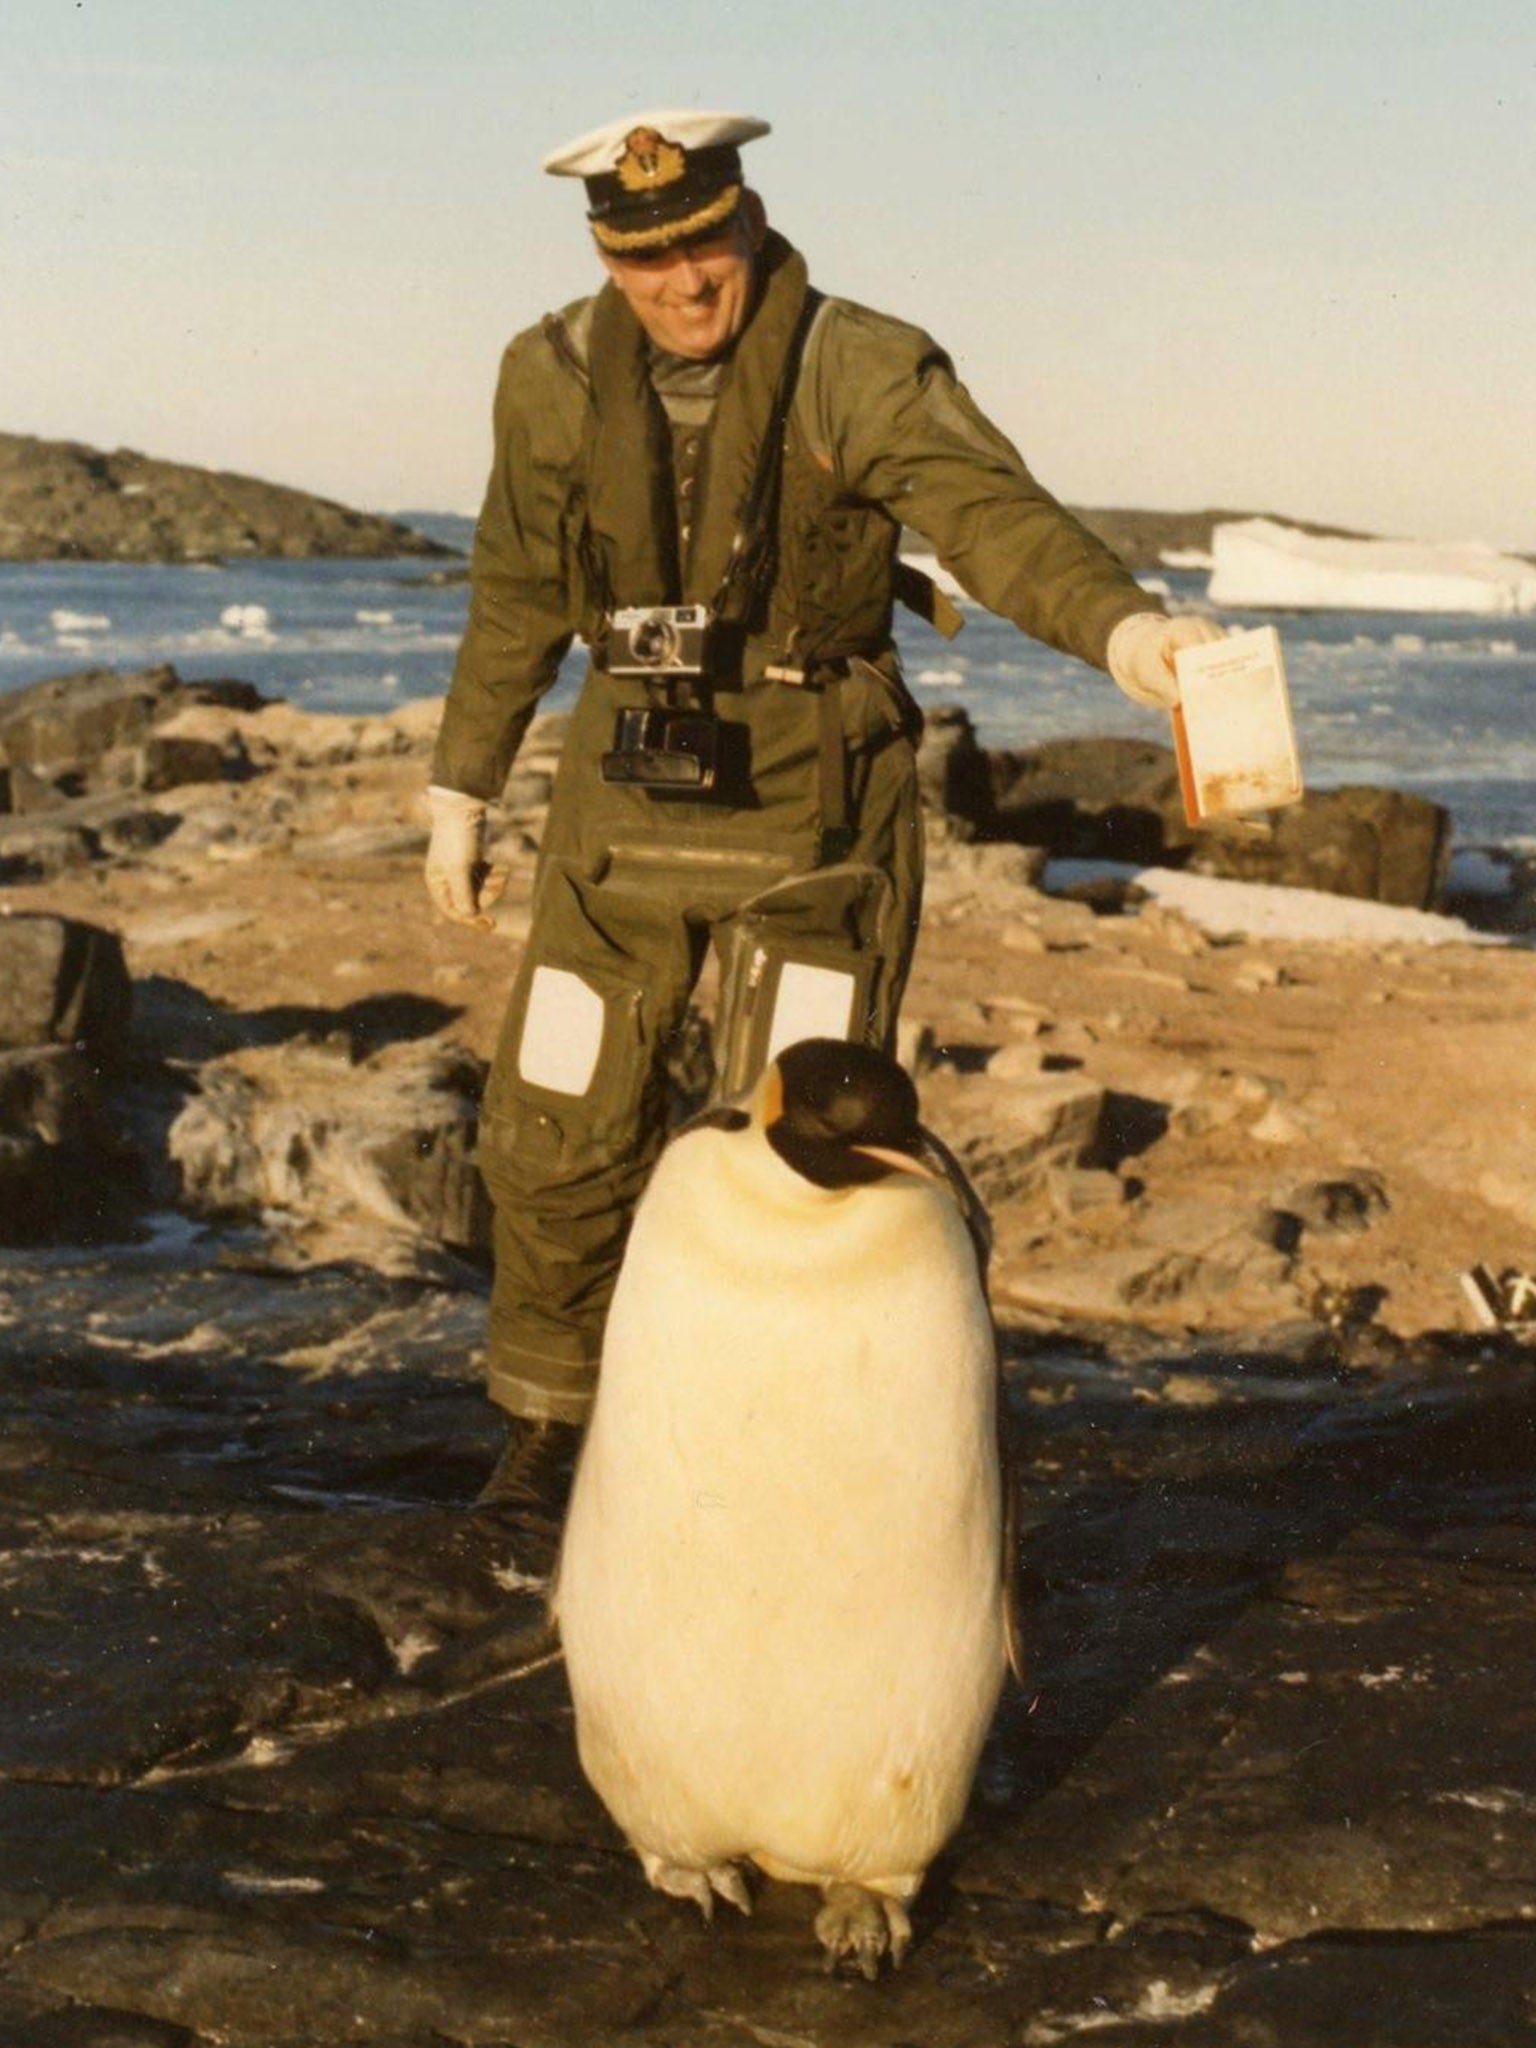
(1232, 731)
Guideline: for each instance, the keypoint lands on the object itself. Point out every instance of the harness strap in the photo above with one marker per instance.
(835, 838)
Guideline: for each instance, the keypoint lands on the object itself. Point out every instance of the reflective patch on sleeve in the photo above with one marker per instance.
(811, 1002)
(562, 1032)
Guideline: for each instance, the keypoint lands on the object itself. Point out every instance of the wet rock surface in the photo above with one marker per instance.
(282, 1766)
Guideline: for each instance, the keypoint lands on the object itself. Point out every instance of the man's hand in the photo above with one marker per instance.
(458, 880)
(1141, 650)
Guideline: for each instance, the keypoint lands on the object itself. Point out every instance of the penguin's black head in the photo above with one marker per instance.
(830, 1110)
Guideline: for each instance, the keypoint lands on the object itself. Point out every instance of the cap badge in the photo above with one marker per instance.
(650, 161)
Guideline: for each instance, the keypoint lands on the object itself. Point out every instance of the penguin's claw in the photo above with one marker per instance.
(678, 1881)
(727, 1880)
(860, 1926)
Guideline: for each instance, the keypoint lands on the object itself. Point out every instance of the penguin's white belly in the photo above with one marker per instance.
(780, 1590)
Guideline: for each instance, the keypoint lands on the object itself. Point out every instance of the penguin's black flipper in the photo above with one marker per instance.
(936, 1154)
(1007, 1461)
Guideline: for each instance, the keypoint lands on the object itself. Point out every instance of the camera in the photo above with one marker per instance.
(657, 640)
(672, 753)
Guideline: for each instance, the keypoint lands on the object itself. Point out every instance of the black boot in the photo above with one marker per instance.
(529, 1487)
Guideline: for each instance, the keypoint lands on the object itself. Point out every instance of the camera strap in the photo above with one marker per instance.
(750, 567)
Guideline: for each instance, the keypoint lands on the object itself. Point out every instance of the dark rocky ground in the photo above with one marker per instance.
(277, 1771)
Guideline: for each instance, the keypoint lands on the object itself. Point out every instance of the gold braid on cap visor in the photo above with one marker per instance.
(620, 240)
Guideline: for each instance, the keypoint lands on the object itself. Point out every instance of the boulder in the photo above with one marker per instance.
(1012, 1134)
(62, 727)
(1386, 845)
(1118, 799)
(953, 772)
(384, 1145)
(64, 1172)
(1092, 799)
(62, 983)
(32, 850)
(23, 792)
(162, 761)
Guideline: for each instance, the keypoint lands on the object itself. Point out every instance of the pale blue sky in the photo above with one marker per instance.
(1268, 252)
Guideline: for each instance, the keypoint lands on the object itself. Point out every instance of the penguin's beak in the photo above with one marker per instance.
(903, 1162)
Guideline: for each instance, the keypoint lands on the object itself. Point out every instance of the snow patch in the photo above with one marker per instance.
(409, 1649)
(1496, 1799)
(1260, 910)
(79, 622)
(511, 1580)
(263, 1884)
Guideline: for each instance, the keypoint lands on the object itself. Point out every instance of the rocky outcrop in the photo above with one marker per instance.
(62, 983)
(65, 1000)
(65, 1171)
(1118, 800)
(71, 734)
(63, 500)
(1386, 845)
(376, 1152)
(1091, 799)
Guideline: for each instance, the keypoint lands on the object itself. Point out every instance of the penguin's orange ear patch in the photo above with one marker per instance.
(771, 1100)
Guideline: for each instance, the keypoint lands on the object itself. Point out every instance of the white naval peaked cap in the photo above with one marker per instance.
(658, 177)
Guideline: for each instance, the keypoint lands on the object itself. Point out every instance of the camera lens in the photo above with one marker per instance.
(654, 641)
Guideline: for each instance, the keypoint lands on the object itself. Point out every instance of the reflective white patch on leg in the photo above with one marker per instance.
(812, 1002)
(562, 1032)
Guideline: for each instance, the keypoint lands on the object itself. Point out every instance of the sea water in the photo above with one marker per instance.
(1443, 705)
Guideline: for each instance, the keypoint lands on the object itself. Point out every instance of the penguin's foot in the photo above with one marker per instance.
(678, 1881)
(857, 1926)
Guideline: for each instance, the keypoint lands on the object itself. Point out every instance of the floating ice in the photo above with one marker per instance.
(375, 618)
(1261, 565)
(253, 620)
(932, 567)
(1186, 558)
(941, 678)
(79, 622)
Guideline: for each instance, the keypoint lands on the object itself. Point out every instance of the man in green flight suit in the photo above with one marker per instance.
(704, 471)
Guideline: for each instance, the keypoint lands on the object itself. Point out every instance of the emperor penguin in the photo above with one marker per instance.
(783, 1590)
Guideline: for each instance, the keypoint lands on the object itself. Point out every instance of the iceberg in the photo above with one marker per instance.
(1261, 565)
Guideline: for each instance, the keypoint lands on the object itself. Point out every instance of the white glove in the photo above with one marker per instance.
(458, 880)
(1141, 650)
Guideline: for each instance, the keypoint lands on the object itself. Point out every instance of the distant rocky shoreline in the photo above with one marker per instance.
(64, 501)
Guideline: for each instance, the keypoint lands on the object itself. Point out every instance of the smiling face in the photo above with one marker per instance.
(693, 297)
